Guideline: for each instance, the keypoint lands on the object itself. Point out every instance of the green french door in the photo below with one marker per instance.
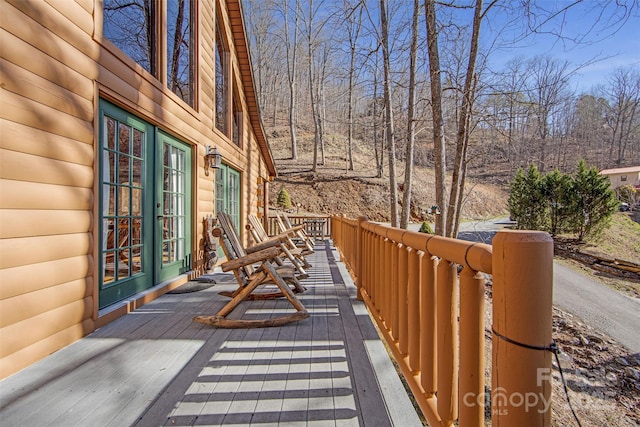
(145, 205)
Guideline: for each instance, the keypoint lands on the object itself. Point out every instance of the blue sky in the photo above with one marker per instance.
(606, 40)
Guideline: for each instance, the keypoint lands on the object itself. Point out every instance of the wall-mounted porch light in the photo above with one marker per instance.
(212, 159)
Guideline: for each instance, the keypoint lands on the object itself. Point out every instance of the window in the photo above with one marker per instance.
(221, 80)
(623, 178)
(132, 26)
(236, 122)
(180, 52)
(228, 106)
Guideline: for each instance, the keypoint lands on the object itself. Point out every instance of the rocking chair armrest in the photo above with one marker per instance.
(272, 242)
(290, 232)
(296, 228)
(249, 259)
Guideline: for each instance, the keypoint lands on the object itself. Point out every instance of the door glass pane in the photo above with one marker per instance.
(219, 189)
(129, 24)
(137, 143)
(109, 196)
(110, 125)
(136, 202)
(234, 197)
(110, 166)
(136, 260)
(136, 232)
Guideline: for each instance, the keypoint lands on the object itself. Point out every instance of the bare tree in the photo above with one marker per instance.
(316, 73)
(439, 149)
(622, 117)
(411, 123)
(266, 55)
(322, 101)
(464, 120)
(547, 91)
(379, 152)
(353, 23)
(389, 125)
(291, 47)
(589, 126)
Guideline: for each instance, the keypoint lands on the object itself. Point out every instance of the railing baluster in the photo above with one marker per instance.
(471, 396)
(428, 322)
(447, 332)
(376, 273)
(372, 264)
(364, 257)
(394, 286)
(413, 308)
(403, 307)
(388, 277)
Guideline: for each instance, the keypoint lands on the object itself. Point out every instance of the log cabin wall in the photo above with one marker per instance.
(56, 69)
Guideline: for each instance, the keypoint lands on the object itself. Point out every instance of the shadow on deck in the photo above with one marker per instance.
(155, 366)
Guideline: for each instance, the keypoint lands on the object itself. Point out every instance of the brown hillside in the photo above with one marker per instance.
(334, 190)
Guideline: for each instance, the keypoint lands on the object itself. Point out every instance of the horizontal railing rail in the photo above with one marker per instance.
(427, 295)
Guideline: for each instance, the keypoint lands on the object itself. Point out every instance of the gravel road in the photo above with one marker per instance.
(598, 305)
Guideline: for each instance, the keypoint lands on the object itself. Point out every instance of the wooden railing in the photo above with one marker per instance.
(427, 295)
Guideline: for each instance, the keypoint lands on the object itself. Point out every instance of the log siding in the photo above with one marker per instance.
(55, 66)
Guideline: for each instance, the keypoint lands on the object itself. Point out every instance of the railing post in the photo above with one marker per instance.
(522, 321)
(333, 227)
(359, 256)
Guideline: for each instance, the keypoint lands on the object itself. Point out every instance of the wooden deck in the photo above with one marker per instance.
(156, 367)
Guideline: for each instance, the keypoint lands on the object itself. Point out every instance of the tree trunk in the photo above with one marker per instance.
(292, 50)
(350, 111)
(391, 144)
(322, 110)
(376, 142)
(439, 153)
(354, 30)
(312, 95)
(455, 198)
(411, 124)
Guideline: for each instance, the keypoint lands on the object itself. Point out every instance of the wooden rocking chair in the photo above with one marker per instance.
(233, 249)
(302, 239)
(289, 249)
(249, 278)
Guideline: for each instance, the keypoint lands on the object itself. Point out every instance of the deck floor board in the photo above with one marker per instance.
(156, 367)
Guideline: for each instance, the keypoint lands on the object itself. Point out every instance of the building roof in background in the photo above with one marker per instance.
(631, 169)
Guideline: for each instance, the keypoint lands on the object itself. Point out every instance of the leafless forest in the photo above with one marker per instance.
(437, 84)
